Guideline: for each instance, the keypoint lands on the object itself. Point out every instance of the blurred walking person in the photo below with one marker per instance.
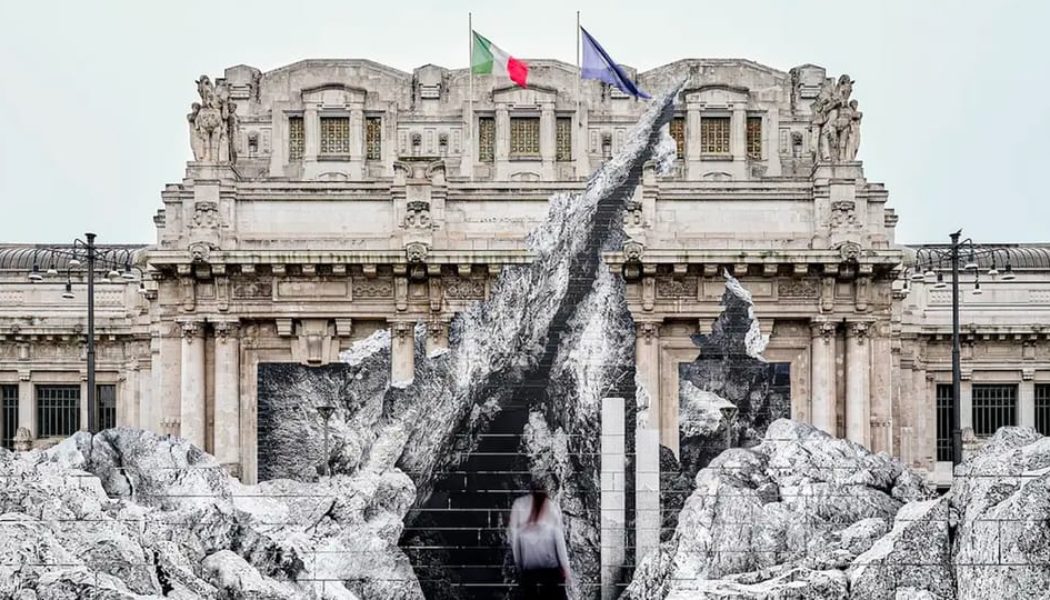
(537, 541)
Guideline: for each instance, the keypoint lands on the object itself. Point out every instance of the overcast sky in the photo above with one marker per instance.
(94, 93)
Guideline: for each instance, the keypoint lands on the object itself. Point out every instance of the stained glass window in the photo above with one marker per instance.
(678, 133)
(714, 135)
(335, 135)
(754, 138)
(563, 138)
(524, 137)
(486, 139)
(373, 138)
(296, 138)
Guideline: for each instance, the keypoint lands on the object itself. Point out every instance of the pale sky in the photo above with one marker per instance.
(94, 93)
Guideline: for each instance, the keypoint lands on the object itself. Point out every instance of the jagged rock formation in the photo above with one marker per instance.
(804, 515)
(129, 514)
(727, 397)
(783, 519)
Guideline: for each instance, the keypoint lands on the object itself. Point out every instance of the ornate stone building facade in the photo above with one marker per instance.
(332, 198)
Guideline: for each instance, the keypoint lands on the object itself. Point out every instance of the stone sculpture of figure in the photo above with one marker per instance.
(23, 440)
(835, 122)
(213, 122)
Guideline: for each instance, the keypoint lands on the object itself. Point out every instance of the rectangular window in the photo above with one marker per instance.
(754, 138)
(296, 138)
(944, 421)
(714, 135)
(335, 135)
(678, 133)
(373, 138)
(106, 397)
(563, 138)
(9, 398)
(486, 139)
(57, 410)
(994, 406)
(525, 137)
(1042, 408)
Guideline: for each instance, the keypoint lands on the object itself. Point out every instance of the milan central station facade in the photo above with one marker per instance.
(333, 198)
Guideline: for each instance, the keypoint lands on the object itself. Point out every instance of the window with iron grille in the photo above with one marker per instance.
(563, 138)
(373, 138)
(524, 137)
(296, 138)
(678, 134)
(9, 398)
(944, 421)
(1042, 408)
(714, 135)
(57, 410)
(994, 406)
(754, 138)
(106, 396)
(335, 135)
(486, 139)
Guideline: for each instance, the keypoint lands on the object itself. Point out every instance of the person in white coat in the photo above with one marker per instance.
(537, 540)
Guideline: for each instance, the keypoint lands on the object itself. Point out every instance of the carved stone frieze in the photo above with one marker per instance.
(844, 216)
(373, 288)
(417, 215)
(798, 288)
(206, 215)
(464, 288)
(249, 289)
(676, 287)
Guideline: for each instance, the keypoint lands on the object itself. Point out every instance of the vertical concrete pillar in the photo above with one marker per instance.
(647, 440)
(402, 352)
(226, 442)
(1026, 400)
(145, 396)
(128, 400)
(84, 415)
(738, 133)
(966, 401)
(822, 377)
(547, 140)
(858, 376)
(613, 495)
(881, 400)
(192, 411)
(27, 404)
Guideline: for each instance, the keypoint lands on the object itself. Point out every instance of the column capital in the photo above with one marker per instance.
(191, 328)
(648, 330)
(225, 330)
(859, 330)
(823, 329)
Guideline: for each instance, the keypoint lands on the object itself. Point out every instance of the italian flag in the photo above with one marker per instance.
(488, 58)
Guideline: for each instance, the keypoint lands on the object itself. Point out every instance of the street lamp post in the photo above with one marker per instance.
(93, 256)
(934, 257)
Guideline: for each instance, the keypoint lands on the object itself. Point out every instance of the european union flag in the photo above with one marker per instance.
(597, 64)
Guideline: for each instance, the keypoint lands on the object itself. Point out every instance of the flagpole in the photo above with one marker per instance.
(470, 98)
(579, 73)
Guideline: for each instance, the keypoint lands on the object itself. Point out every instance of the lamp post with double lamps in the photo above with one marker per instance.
(930, 264)
(85, 255)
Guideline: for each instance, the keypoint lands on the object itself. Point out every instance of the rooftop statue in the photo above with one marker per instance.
(835, 122)
(213, 122)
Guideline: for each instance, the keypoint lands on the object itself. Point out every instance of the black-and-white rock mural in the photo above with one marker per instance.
(727, 397)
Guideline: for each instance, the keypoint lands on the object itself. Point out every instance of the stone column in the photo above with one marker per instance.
(647, 440)
(27, 404)
(311, 134)
(84, 414)
(128, 400)
(966, 401)
(1026, 399)
(502, 149)
(226, 440)
(738, 133)
(613, 495)
(823, 396)
(881, 392)
(402, 352)
(437, 337)
(858, 375)
(547, 140)
(192, 411)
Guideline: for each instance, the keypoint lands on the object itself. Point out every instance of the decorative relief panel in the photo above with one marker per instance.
(335, 135)
(799, 288)
(464, 288)
(676, 288)
(316, 290)
(373, 288)
(247, 289)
